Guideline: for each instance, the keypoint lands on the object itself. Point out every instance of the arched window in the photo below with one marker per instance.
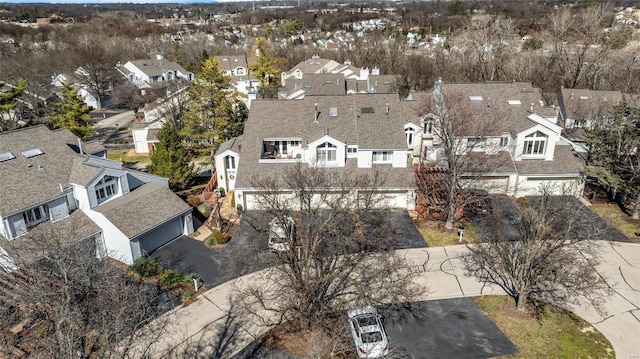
(327, 153)
(409, 132)
(534, 144)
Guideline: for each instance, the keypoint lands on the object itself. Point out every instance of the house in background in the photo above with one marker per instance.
(76, 80)
(237, 67)
(580, 107)
(144, 73)
(347, 135)
(52, 179)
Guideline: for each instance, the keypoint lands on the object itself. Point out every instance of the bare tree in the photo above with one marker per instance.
(63, 302)
(340, 254)
(458, 128)
(544, 254)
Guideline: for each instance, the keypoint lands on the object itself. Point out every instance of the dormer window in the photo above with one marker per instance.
(535, 144)
(327, 153)
(428, 128)
(240, 71)
(106, 188)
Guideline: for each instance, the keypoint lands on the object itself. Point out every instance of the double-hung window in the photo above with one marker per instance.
(410, 134)
(382, 156)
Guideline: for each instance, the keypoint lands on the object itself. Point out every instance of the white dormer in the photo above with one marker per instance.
(326, 152)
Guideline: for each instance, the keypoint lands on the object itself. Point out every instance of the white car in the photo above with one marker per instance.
(281, 234)
(368, 332)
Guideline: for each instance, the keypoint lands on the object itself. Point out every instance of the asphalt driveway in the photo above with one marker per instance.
(446, 329)
(247, 251)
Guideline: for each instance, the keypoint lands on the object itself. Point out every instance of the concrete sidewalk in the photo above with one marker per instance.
(205, 328)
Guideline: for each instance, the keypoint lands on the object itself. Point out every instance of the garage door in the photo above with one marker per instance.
(160, 236)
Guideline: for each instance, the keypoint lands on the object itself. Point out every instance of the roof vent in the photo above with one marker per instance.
(475, 98)
(32, 153)
(514, 102)
(6, 156)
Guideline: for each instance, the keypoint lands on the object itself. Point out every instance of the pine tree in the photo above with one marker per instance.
(215, 114)
(171, 159)
(8, 104)
(73, 114)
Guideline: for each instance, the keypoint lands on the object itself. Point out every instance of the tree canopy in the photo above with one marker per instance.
(171, 159)
(73, 114)
(215, 113)
(265, 67)
(9, 103)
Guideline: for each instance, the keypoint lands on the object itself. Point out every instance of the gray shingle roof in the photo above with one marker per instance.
(29, 181)
(153, 68)
(316, 85)
(295, 120)
(565, 161)
(375, 84)
(74, 228)
(143, 209)
(314, 66)
(233, 144)
(494, 106)
(579, 104)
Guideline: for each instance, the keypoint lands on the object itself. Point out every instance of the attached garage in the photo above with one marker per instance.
(152, 240)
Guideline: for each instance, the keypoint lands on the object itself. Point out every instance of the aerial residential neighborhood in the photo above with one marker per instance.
(320, 180)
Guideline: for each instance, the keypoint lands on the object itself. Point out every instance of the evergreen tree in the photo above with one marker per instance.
(265, 68)
(215, 114)
(73, 114)
(8, 105)
(171, 159)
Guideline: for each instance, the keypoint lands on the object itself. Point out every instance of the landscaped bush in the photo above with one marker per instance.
(170, 279)
(205, 210)
(194, 199)
(187, 296)
(145, 267)
(218, 238)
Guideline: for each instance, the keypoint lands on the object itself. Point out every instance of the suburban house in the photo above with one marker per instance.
(579, 107)
(354, 135)
(237, 68)
(322, 77)
(144, 73)
(523, 140)
(76, 80)
(54, 183)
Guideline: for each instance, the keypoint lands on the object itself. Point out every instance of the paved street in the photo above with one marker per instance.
(205, 327)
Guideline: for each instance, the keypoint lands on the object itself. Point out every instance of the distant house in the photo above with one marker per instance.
(76, 80)
(143, 73)
(237, 67)
(54, 183)
(580, 107)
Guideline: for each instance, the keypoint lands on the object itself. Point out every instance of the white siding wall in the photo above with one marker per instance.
(533, 186)
(399, 158)
(365, 158)
(116, 242)
(140, 140)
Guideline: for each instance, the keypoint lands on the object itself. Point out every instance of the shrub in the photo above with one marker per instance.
(145, 267)
(531, 44)
(218, 238)
(239, 207)
(233, 201)
(170, 279)
(204, 209)
(194, 199)
(187, 296)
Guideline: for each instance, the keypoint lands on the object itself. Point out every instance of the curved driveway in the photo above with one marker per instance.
(205, 328)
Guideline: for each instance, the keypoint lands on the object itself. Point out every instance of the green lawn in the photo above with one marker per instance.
(121, 155)
(437, 236)
(557, 334)
(611, 213)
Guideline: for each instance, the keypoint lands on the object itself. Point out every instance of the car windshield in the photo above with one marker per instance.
(371, 337)
(366, 321)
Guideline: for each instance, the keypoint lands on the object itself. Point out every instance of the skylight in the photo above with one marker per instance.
(584, 97)
(367, 110)
(32, 153)
(6, 156)
(328, 82)
(514, 102)
(475, 98)
(307, 86)
(333, 111)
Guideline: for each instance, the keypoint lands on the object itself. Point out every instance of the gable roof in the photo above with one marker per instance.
(30, 181)
(155, 67)
(315, 85)
(132, 213)
(361, 119)
(580, 104)
(233, 144)
(314, 65)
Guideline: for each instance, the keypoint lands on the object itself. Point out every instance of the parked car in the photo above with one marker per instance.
(281, 234)
(368, 332)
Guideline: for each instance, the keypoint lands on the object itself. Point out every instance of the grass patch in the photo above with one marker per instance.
(122, 156)
(437, 236)
(557, 334)
(612, 213)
